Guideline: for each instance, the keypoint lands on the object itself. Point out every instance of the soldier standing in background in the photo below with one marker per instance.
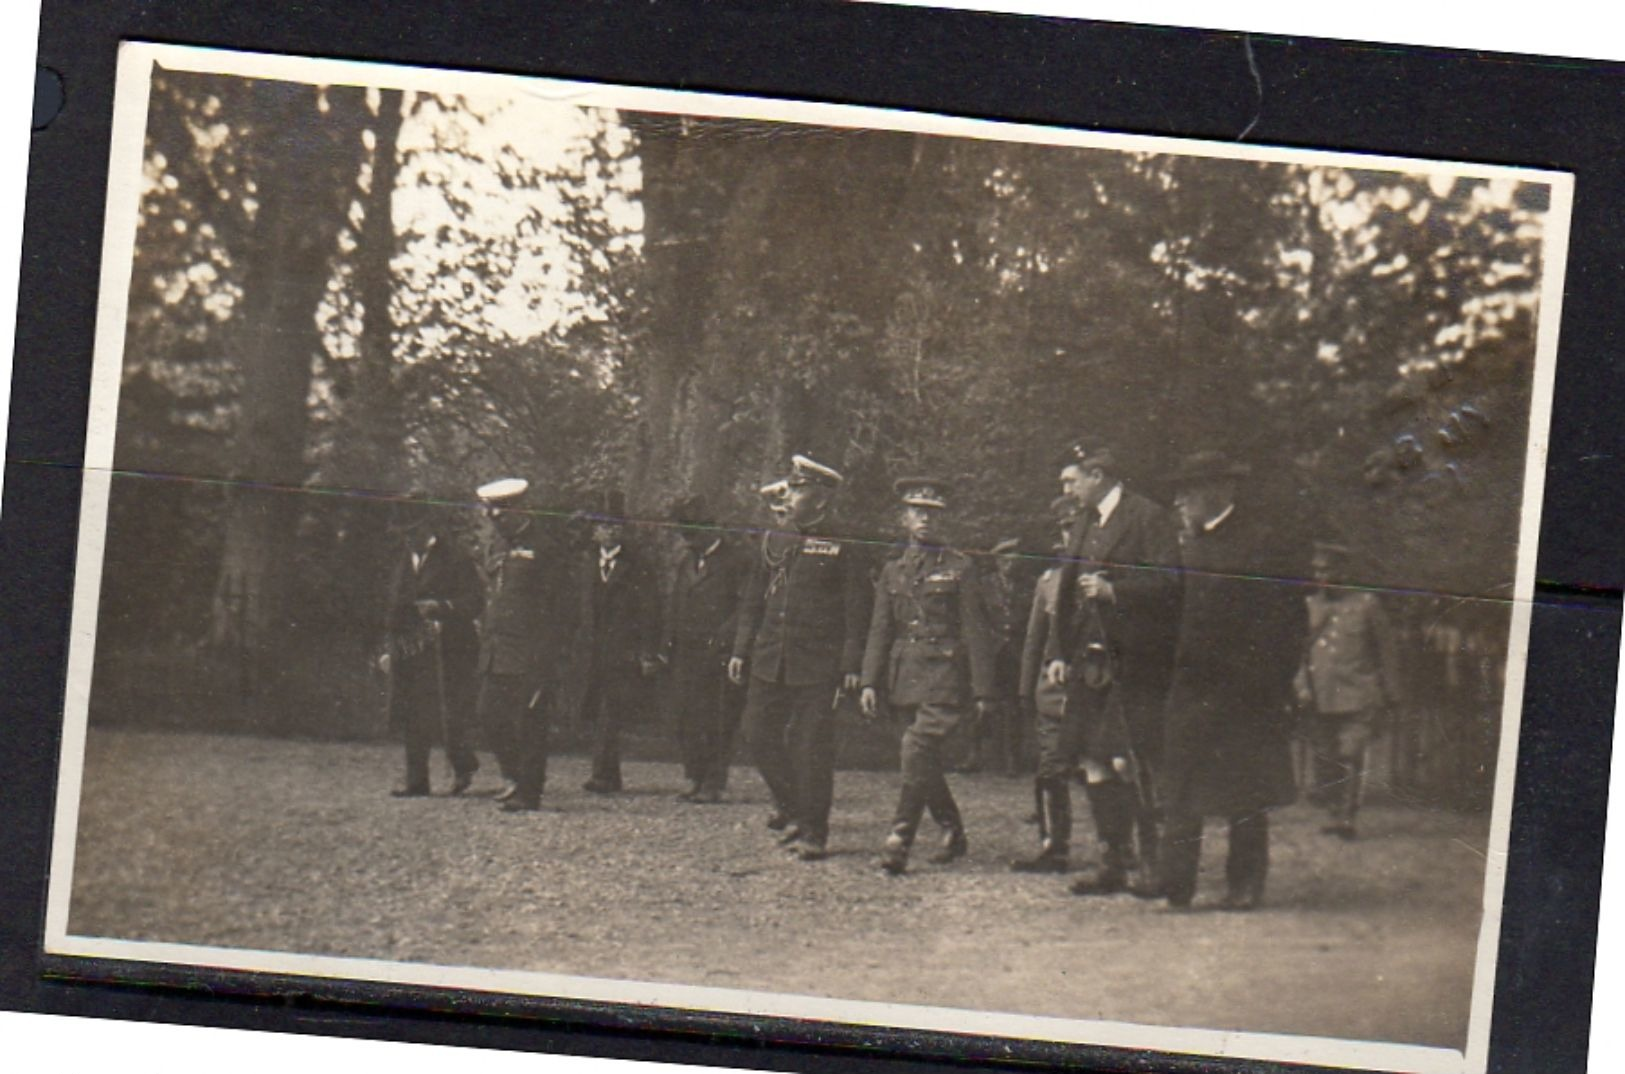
(801, 630)
(700, 623)
(514, 642)
(1045, 701)
(430, 646)
(1349, 680)
(1242, 628)
(998, 738)
(619, 602)
(931, 651)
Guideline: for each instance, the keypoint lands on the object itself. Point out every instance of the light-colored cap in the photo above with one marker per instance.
(502, 489)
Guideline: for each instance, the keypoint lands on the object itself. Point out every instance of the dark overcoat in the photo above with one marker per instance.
(930, 641)
(1137, 549)
(805, 609)
(1242, 630)
(448, 575)
(523, 613)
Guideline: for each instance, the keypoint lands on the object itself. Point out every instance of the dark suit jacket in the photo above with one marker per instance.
(1243, 627)
(1138, 551)
(521, 621)
(618, 621)
(702, 611)
(805, 609)
(447, 575)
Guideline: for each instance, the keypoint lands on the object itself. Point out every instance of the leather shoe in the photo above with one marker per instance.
(593, 786)
(409, 792)
(954, 847)
(778, 822)
(706, 797)
(810, 851)
(894, 856)
(1045, 861)
(509, 789)
(521, 805)
(790, 836)
(460, 783)
(1342, 830)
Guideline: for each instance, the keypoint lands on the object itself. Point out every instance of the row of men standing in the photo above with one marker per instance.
(1160, 665)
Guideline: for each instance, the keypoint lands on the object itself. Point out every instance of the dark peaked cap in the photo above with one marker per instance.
(921, 491)
(806, 471)
(1089, 452)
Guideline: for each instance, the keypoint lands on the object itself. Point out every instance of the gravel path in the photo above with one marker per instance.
(296, 846)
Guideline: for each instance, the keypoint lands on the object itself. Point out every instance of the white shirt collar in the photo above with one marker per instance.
(1217, 520)
(1108, 503)
(607, 554)
(712, 547)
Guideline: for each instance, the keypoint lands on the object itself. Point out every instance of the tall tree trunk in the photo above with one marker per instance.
(305, 167)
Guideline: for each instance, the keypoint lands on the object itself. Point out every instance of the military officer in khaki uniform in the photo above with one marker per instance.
(930, 649)
(1348, 681)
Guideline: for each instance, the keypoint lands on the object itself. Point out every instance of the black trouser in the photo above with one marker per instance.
(602, 710)
(513, 709)
(431, 702)
(1246, 863)
(792, 740)
(708, 709)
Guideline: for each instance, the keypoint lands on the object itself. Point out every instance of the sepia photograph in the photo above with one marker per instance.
(741, 555)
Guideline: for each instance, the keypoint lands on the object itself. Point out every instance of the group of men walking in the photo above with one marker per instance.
(1163, 653)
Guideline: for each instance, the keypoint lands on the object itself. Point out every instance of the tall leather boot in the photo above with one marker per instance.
(946, 812)
(1247, 863)
(1112, 803)
(1055, 812)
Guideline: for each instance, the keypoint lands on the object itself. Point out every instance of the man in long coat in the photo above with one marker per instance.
(930, 649)
(1229, 731)
(517, 634)
(618, 626)
(801, 631)
(430, 646)
(700, 622)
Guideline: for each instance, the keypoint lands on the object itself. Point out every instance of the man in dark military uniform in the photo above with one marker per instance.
(1348, 682)
(700, 623)
(515, 636)
(930, 649)
(1111, 645)
(1242, 629)
(430, 646)
(801, 629)
(618, 627)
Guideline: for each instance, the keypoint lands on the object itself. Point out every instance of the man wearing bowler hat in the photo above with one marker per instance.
(515, 636)
(431, 647)
(802, 623)
(930, 649)
(1242, 629)
(700, 623)
(618, 628)
(1115, 601)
